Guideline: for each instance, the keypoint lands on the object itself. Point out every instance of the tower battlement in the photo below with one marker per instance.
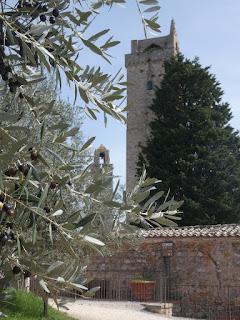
(156, 48)
(139, 46)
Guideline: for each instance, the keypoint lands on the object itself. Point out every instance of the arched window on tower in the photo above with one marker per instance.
(153, 46)
(102, 158)
(150, 85)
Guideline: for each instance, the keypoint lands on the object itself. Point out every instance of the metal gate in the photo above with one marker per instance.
(194, 301)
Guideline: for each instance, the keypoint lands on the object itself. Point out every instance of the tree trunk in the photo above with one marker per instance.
(45, 307)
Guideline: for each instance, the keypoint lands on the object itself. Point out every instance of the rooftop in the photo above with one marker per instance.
(211, 231)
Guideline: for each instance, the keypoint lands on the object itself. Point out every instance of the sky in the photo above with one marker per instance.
(208, 29)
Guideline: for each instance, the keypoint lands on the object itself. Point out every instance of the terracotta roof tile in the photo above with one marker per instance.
(219, 230)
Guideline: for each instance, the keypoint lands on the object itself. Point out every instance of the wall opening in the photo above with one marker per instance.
(150, 85)
(102, 158)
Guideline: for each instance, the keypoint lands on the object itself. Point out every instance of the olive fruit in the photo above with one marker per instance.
(47, 209)
(53, 185)
(43, 18)
(34, 154)
(1, 205)
(2, 197)
(7, 207)
(16, 270)
(11, 172)
(3, 239)
(55, 12)
(52, 20)
(13, 84)
(12, 89)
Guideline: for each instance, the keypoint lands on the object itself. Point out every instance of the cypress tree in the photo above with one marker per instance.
(192, 147)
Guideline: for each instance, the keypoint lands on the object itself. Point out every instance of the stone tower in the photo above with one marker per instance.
(102, 164)
(145, 69)
(101, 156)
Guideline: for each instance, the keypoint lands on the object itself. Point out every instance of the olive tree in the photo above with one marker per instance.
(40, 233)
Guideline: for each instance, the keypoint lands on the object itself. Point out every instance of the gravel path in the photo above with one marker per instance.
(111, 310)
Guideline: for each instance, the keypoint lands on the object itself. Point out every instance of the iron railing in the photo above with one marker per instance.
(193, 301)
(189, 300)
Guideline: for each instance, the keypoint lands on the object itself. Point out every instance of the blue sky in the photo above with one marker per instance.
(208, 29)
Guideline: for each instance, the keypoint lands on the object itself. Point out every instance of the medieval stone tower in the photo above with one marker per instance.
(145, 70)
(102, 164)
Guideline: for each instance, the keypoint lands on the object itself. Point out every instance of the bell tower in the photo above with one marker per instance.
(102, 164)
(145, 70)
(101, 156)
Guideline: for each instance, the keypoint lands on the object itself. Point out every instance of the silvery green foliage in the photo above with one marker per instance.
(50, 35)
(40, 233)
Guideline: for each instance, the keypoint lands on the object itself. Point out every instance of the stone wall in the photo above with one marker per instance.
(199, 274)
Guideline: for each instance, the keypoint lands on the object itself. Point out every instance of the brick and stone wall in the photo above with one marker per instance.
(201, 273)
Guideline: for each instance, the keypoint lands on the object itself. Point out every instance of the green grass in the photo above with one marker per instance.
(29, 307)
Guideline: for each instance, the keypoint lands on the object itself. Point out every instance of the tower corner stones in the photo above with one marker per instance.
(145, 70)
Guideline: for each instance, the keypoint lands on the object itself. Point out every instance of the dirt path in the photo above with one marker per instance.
(105, 310)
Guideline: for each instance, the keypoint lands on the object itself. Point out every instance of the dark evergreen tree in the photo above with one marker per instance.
(192, 148)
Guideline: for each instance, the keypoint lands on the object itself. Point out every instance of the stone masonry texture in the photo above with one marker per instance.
(196, 273)
(144, 64)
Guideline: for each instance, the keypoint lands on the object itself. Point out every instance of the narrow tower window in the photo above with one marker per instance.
(150, 85)
(102, 158)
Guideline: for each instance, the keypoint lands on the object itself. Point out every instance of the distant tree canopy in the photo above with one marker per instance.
(192, 147)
